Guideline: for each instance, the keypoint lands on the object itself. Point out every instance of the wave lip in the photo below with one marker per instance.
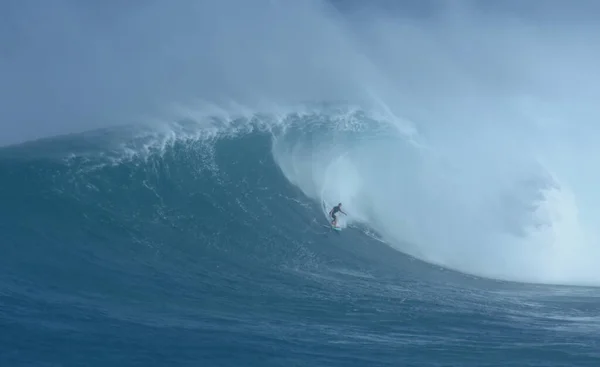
(458, 204)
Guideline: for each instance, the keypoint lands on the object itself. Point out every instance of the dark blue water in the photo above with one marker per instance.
(200, 253)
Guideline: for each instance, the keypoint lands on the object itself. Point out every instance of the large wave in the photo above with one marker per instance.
(472, 147)
(485, 204)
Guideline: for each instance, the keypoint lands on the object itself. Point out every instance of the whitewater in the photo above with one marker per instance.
(166, 176)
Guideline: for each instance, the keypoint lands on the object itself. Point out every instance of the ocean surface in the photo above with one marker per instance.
(209, 245)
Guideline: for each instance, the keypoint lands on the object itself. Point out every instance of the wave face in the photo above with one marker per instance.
(466, 204)
(207, 242)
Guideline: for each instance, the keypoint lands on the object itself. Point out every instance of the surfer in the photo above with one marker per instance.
(332, 212)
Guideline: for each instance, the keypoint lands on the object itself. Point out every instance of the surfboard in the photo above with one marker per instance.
(336, 228)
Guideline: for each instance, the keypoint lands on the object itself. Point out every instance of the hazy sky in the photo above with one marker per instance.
(69, 65)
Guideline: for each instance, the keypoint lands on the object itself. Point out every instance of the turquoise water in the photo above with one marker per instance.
(118, 250)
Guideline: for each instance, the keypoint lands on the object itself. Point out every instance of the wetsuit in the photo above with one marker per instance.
(335, 210)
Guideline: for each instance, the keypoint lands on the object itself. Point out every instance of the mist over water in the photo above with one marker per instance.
(474, 207)
(494, 177)
(479, 150)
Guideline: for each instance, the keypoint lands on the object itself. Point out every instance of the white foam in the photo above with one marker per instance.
(473, 206)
